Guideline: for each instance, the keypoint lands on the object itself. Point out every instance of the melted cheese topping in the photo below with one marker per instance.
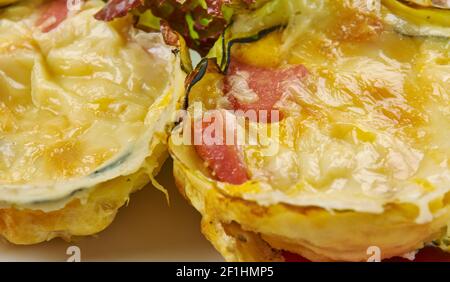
(240, 89)
(77, 101)
(369, 126)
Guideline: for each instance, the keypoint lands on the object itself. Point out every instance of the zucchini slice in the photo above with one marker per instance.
(424, 19)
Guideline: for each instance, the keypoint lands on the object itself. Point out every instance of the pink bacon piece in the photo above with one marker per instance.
(223, 159)
(267, 83)
(54, 13)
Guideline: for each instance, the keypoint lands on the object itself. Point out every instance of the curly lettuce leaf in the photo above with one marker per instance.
(199, 22)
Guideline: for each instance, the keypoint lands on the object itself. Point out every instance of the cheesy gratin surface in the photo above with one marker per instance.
(369, 125)
(79, 104)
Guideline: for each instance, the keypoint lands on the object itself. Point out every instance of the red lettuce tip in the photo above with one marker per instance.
(116, 9)
(214, 7)
(170, 37)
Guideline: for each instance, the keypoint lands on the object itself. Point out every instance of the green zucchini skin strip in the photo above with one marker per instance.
(228, 44)
(196, 75)
(419, 15)
(221, 63)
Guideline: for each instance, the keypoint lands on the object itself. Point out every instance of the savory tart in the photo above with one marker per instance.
(352, 149)
(86, 107)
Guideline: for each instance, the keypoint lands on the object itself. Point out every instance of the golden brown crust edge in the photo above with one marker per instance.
(79, 217)
(26, 226)
(225, 219)
(231, 241)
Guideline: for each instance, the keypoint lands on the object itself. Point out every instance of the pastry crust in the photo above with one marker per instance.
(313, 232)
(352, 169)
(84, 120)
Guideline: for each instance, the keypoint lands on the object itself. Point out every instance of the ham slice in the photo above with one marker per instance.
(54, 13)
(224, 159)
(259, 89)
